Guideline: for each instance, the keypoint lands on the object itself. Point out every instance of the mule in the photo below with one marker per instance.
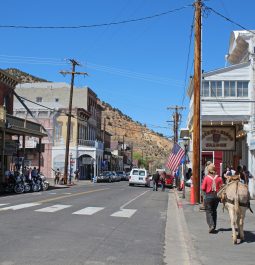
(236, 199)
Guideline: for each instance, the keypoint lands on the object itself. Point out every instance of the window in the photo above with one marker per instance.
(205, 89)
(216, 88)
(229, 89)
(56, 99)
(38, 99)
(242, 88)
(59, 130)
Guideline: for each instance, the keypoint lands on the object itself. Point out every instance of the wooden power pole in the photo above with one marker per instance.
(176, 120)
(196, 116)
(73, 73)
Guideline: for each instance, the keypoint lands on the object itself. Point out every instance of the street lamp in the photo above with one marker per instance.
(186, 145)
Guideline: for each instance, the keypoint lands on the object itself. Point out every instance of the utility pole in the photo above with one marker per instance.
(176, 120)
(73, 73)
(196, 116)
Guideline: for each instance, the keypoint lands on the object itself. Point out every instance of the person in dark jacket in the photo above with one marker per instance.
(155, 179)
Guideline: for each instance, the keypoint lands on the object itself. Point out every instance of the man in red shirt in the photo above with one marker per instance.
(211, 185)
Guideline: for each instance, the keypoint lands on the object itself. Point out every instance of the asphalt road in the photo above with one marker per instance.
(91, 224)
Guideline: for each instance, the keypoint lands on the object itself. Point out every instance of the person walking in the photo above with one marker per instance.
(211, 185)
(155, 179)
(163, 180)
(57, 176)
(202, 206)
(77, 175)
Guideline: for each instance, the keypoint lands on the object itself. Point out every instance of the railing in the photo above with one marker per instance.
(16, 122)
(91, 143)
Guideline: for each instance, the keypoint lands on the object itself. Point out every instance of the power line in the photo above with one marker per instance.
(187, 64)
(96, 25)
(228, 19)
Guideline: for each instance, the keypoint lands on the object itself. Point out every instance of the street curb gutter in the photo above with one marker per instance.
(179, 249)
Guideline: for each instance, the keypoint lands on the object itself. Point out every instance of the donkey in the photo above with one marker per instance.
(235, 197)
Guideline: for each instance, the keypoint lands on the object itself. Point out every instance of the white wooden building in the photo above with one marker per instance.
(228, 101)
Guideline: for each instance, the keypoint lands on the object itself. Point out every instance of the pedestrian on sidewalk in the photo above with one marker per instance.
(77, 174)
(57, 176)
(163, 180)
(211, 185)
(155, 179)
(205, 173)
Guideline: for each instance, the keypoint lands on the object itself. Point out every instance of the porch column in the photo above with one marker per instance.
(2, 157)
(23, 150)
(95, 167)
(40, 153)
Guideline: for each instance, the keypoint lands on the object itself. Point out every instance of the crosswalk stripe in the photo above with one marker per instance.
(53, 208)
(89, 210)
(20, 206)
(126, 213)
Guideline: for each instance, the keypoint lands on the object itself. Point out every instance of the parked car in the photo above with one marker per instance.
(115, 176)
(122, 175)
(105, 176)
(169, 183)
(139, 176)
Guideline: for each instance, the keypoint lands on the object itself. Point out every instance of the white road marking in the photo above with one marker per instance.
(126, 213)
(2, 204)
(53, 208)
(89, 210)
(20, 206)
(127, 203)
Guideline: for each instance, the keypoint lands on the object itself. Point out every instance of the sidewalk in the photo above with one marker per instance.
(194, 245)
(74, 183)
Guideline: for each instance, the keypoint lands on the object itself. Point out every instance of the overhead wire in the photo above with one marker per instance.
(99, 24)
(228, 19)
(187, 63)
(78, 118)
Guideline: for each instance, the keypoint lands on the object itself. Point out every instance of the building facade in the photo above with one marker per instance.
(86, 148)
(14, 131)
(227, 107)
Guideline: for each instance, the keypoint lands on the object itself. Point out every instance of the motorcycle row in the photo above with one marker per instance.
(19, 183)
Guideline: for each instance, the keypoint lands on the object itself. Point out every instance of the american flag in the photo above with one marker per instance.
(175, 157)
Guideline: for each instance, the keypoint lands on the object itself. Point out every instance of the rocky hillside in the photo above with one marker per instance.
(24, 77)
(150, 144)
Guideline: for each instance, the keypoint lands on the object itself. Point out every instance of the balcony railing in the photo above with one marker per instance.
(91, 143)
(19, 123)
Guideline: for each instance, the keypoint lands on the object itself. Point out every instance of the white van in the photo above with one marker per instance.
(139, 176)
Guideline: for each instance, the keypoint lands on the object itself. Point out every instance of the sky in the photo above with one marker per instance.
(141, 68)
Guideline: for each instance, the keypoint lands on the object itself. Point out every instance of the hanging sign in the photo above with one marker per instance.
(221, 138)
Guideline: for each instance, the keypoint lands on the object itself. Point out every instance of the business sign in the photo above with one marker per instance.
(221, 138)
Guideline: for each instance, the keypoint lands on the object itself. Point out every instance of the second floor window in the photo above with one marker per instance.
(59, 130)
(242, 88)
(216, 89)
(229, 89)
(38, 99)
(225, 89)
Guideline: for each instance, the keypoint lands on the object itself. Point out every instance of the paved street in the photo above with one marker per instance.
(84, 224)
(115, 224)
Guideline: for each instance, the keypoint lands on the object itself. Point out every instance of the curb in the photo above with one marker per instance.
(177, 236)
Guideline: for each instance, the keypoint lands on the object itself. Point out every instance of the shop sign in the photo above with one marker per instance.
(221, 138)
